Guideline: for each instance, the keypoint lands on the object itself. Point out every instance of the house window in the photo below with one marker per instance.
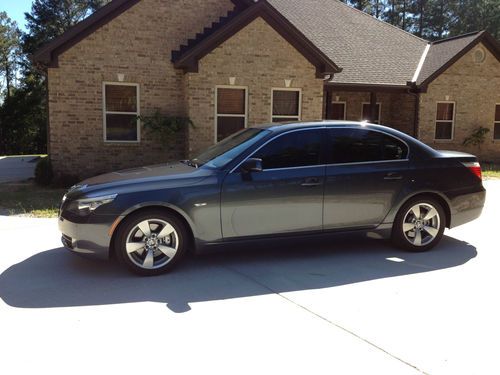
(121, 111)
(445, 118)
(496, 130)
(286, 104)
(338, 110)
(231, 110)
(366, 112)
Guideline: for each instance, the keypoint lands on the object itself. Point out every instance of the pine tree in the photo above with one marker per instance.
(9, 52)
(23, 118)
(475, 15)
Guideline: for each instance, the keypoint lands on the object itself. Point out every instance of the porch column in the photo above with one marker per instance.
(373, 106)
(328, 103)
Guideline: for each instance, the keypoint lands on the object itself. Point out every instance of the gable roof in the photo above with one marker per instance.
(48, 53)
(370, 51)
(187, 57)
(444, 53)
(332, 35)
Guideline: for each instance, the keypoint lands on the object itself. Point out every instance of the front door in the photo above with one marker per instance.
(285, 197)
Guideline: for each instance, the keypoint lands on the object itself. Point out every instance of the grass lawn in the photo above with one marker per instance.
(491, 170)
(29, 199)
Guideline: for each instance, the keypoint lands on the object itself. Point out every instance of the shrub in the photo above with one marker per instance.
(476, 137)
(43, 172)
(63, 180)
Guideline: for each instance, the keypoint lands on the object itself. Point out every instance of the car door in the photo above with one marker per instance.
(366, 171)
(286, 196)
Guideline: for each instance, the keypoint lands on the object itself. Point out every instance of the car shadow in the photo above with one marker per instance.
(56, 278)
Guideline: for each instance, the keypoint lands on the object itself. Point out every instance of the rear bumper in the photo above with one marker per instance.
(89, 239)
(466, 208)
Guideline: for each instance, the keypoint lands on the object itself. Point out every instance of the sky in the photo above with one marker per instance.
(15, 9)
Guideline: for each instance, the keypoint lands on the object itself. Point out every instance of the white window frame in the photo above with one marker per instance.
(105, 112)
(495, 122)
(217, 115)
(445, 121)
(345, 107)
(299, 112)
(379, 111)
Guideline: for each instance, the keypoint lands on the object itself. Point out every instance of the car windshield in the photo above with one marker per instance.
(226, 150)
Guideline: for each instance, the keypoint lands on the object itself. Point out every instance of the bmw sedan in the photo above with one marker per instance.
(278, 181)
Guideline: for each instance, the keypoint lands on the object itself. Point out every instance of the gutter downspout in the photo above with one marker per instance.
(416, 112)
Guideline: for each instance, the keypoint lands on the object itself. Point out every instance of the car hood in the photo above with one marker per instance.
(141, 179)
(140, 173)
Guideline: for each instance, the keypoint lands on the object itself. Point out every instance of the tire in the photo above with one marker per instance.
(418, 234)
(156, 252)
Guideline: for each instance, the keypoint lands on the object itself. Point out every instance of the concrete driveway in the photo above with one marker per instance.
(17, 168)
(350, 307)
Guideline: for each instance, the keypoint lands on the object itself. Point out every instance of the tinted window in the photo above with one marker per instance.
(361, 145)
(225, 151)
(296, 149)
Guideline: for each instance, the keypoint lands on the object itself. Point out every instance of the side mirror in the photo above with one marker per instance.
(251, 165)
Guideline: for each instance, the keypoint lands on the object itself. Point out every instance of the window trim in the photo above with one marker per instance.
(299, 112)
(105, 112)
(379, 111)
(326, 128)
(345, 108)
(444, 121)
(495, 122)
(217, 115)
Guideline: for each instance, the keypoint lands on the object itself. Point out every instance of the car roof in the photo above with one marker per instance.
(281, 127)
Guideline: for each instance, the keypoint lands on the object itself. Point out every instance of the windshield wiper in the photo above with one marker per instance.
(190, 163)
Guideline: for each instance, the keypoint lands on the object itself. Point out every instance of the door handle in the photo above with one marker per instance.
(310, 182)
(393, 176)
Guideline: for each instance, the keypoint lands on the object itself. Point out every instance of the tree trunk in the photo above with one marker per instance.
(7, 79)
(421, 18)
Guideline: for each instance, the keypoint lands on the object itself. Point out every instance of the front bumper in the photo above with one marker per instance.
(89, 237)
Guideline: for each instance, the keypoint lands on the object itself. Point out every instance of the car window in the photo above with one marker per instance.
(363, 145)
(295, 149)
(226, 150)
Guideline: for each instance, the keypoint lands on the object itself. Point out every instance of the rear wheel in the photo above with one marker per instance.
(151, 242)
(419, 225)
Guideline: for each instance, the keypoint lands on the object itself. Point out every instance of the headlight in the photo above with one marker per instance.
(91, 204)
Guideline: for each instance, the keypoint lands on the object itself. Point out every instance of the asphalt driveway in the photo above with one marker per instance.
(353, 306)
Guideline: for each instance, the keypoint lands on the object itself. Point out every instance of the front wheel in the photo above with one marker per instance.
(151, 242)
(419, 225)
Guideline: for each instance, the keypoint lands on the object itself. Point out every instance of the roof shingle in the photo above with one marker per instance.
(368, 50)
(442, 51)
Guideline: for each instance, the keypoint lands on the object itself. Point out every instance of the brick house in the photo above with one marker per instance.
(227, 64)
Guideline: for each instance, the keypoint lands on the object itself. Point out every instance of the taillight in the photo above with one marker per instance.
(475, 168)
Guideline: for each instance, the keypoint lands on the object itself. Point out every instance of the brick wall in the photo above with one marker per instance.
(397, 109)
(475, 88)
(260, 59)
(137, 44)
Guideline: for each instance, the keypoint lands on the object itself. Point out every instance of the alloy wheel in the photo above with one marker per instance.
(152, 243)
(421, 224)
